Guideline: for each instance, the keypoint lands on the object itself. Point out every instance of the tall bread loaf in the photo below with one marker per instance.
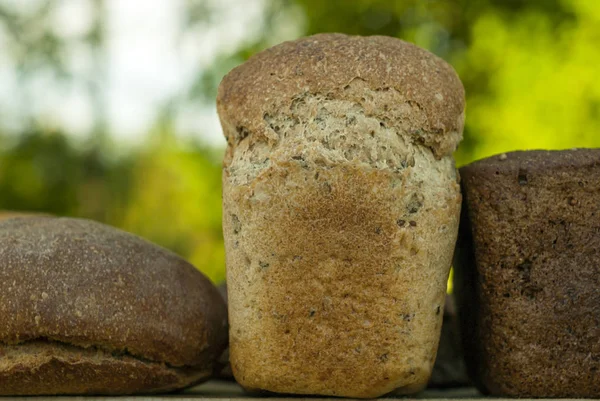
(88, 309)
(341, 208)
(528, 273)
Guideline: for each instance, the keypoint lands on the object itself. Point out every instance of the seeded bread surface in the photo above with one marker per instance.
(341, 205)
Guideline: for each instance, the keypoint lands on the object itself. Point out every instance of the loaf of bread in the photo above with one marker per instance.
(341, 208)
(528, 273)
(88, 309)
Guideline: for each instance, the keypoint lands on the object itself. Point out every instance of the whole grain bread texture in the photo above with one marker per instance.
(449, 370)
(341, 207)
(528, 273)
(88, 309)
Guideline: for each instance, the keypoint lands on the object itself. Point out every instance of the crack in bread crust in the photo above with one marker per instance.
(43, 367)
(333, 65)
(318, 131)
(99, 349)
(86, 283)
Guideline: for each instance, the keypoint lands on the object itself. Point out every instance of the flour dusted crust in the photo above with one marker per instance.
(78, 294)
(341, 205)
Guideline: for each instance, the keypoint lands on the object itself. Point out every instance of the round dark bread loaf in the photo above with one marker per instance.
(88, 309)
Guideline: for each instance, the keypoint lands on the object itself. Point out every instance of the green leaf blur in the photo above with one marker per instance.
(530, 69)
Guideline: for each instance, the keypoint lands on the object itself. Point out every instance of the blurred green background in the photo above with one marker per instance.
(107, 106)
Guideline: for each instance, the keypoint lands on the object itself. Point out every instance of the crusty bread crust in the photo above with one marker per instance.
(425, 96)
(341, 205)
(89, 285)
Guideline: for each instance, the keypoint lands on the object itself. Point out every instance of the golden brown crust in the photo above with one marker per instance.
(341, 270)
(341, 208)
(428, 89)
(87, 284)
(46, 368)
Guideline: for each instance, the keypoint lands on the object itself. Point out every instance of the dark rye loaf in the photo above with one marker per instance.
(88, 309)
(528, 273)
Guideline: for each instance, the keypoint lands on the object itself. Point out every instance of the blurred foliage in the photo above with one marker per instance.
(543, 89)
(175, 200)
(530, 69)
(44, 172)
(40, 52)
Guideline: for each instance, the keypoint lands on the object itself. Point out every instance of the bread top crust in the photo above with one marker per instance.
(531, 161)
(90, 285)
(429, 90)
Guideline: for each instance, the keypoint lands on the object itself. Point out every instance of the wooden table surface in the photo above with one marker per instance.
(227, 391)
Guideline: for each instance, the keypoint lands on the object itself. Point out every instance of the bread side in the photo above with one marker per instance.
(332, 280)
(319, 245)
(51, 368)
(85, 284)
(534, 273)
